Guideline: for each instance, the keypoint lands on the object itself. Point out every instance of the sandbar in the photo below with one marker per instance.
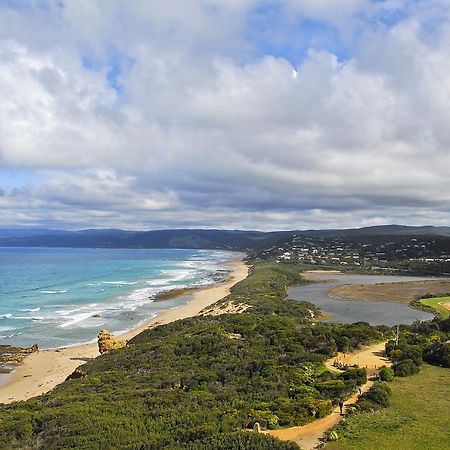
(400, 292)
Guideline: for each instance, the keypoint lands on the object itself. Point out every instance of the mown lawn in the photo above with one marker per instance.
(435, 304)
(418, 419)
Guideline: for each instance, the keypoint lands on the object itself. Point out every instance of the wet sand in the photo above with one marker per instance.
(45, 369)
(402, 292)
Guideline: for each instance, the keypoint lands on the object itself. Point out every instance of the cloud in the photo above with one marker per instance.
(146, 115)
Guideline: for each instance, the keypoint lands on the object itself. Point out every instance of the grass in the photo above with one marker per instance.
(434, 303)
(418, 418)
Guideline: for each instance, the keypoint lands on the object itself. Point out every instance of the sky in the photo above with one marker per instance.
(236, 114)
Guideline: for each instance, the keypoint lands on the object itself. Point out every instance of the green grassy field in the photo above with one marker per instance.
(434, 303)
(418, 418)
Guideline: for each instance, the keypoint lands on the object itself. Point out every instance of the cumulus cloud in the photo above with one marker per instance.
(167, 114)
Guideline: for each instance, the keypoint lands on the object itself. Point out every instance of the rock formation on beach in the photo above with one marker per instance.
(13, 356)
(76, 374)
(106, 342)
(34, 348)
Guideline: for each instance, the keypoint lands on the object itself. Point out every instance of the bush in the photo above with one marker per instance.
(438, 354)
(379, 394)
(386, 374)
(332, 436)
(241, 441)
(405, 368)
(320, 408)
(265, 418)
(359, 376)
(366, 405)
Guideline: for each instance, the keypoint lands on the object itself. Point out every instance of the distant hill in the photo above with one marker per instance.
(194, 238)
(28, 232)
(381, 230)
(201, 239)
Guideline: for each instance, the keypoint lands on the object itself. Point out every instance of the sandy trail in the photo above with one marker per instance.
(45, 369)
(308, 436)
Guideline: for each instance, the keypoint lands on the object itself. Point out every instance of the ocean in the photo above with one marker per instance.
(58, 296)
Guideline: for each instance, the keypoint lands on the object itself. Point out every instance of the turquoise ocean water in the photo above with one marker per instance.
(56, 297)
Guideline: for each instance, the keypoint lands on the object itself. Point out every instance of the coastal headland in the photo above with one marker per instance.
(45, 369)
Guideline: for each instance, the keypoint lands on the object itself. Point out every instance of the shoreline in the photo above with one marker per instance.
(45, 369)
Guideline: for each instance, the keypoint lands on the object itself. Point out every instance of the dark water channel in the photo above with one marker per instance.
(349, 311)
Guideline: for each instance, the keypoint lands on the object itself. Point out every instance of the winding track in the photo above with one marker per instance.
(309, 436)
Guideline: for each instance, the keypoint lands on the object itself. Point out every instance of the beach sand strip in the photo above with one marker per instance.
(45, 369)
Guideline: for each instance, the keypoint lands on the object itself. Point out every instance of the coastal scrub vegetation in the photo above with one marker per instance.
(416, 419)
(197, 383)
(421, 341)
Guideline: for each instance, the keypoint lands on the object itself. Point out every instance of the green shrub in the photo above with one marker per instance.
(405, 368)
(359, 375)
(386, 374)
(366, 405)
(241, 441)
(265, 418)
(320, 408)
(379, 393)
(438, 354)
(332, 436)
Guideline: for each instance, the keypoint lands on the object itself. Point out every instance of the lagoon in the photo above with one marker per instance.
(349, 311)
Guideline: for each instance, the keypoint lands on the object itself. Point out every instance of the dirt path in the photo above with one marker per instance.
(308, 436)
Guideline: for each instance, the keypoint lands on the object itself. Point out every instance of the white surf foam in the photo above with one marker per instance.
(54, 291)
(27, 318)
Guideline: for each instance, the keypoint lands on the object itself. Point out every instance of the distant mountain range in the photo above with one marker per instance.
(194, 238)
(205, 239)
(381, 230)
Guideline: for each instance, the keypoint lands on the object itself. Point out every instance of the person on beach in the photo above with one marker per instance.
(360, 390)
(341, 405)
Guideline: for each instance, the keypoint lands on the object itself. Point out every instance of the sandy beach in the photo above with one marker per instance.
(45, 369)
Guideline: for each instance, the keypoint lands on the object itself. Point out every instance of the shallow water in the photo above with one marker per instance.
(57, 296)
(349, 311)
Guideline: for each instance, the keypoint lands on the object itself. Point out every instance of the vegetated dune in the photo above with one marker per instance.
(402, 292)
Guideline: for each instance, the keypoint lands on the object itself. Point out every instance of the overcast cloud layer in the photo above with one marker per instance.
(224, 113)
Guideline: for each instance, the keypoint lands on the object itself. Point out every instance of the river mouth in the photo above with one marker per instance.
(350, 311)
